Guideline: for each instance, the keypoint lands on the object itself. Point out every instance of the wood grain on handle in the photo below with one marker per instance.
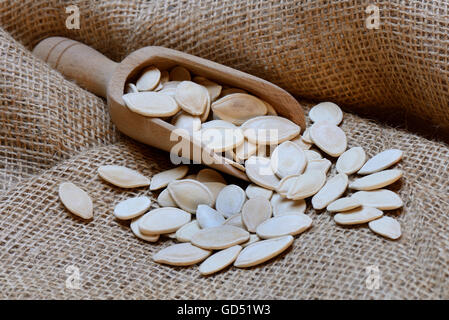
(76, 61)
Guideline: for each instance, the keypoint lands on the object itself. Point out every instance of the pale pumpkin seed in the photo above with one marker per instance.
(179, 73)
(376, 180)
(381, 161)
(288, 159)
(76, 200)
(269, 130)
(244, 151)
(181, 254)
(236, 221)
(286, 183)
(165, 200)
(221, 237)
(382, 199)
(132, 207)
(192, 98)
(230, 200)
(162, 179)
(215, 188)
(151, 104)
(307, 185)
(312, 155)
(210, 175)
(217, 124)
(351, 160)
(213, 88)
(332, 190)
(270, 109)
(254, 212)
(135, 223)
(234, 164)
(163, 220)
(329, 138)
(252, 238)
(358, 215)
(318, 164)
(282, 206)
(186, 232)
(239, 107)
(306, 136)
(220, 260)
(387, 227)
(343, 204)
(187, 122)
(131, 88)
(123, 177)
(188, 194)
(284, 225)
(301, 143)
(326, 111)
(208, 217)
(149, 79)
(219, 139)
(253, 191)
(262, 251)
(259, 171)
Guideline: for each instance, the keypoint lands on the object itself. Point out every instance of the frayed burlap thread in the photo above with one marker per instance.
(53, 131)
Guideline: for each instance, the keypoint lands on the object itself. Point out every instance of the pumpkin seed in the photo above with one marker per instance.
(326, 111)
(234, 164)
(381, 199)
(162, 179)
(208, 217)
(188, 194)
(210, 175)
(215, 188)
(149, 79)
(221, 237)
(165, 199)
(270, 109)
(123, 177)
(307, 185)
(253, 191)
(351, 160)
(135, 223)
(319, 164)
(343, 204)
(132, 207)
(131, 88)
(220, 139)
(219, 260)
(358, 215)
(181, 254)
(329, 138)
(213, 88)
(288, 159)
(262, 251)
(192, 98)
(217, 124)
(244, 151)
(306, 136)
(387, 227)
(376, 180)
(254, 212)
(187, 122)
(186, 232)
(230, 200)
(381, 161)
(286, 183)
(331, 191)
(163, 220)
(236, 221)
(239, 107)
(259, 171)
(76, 200)
(252, 238)
(151, 104)
(284, 225)
(171, 85)
(282, 206)
(179, 73)
(269, 130)
(301, 143)
(312, 155)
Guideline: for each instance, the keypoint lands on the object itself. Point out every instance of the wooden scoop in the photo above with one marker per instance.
(96, 73)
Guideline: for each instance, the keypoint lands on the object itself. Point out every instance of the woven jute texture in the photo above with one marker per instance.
(53, 131)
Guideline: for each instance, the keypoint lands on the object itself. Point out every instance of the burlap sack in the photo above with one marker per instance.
(54, 131)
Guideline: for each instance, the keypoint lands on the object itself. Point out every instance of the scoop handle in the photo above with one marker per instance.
(86, 66)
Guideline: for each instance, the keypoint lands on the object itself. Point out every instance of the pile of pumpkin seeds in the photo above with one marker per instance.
(220, 224)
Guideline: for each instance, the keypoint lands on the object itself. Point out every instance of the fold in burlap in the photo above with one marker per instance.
(53, 131)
